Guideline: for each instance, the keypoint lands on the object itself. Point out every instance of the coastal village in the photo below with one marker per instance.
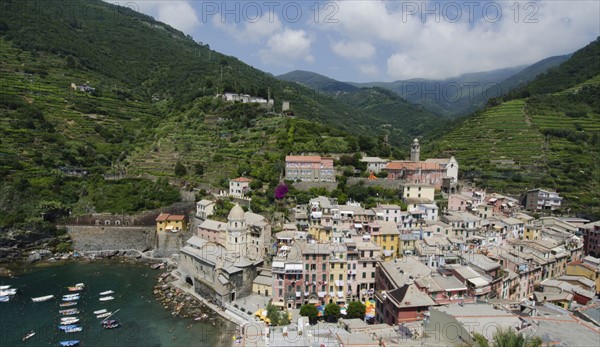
(448, 265)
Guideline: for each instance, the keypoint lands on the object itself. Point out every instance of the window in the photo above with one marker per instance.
(364, 275)
(373, 274)
(331, 277)
(306, 267)
(324, 267)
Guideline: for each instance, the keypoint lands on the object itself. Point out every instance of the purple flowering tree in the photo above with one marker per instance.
(280, 191)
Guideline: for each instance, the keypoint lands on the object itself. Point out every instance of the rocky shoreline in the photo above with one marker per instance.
(182, 304)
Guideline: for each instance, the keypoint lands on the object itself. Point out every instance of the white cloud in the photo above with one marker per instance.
(353, 50)
(286, 47)
(180, 15)
(251, 31)
(441, 47)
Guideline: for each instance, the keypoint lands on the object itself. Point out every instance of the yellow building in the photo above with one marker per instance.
(589, 267)
(531, 233)
(263, 284)
(385, 235)
(170, 222)
(338, 270)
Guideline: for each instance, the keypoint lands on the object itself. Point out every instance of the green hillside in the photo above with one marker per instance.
(392, 116)
(548, 140)
(151, 114)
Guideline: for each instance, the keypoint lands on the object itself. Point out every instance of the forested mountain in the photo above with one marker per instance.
(92, 90)
(545, 134)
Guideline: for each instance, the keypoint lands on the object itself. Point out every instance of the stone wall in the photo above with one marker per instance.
(304, 186)
(381, 182)
(96, 238)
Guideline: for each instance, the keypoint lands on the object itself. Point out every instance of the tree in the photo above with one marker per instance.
(332, 312)
(180, 169)
(310, 311)
(509, 338)
(273, 313)
(356, 309)
(199, 169)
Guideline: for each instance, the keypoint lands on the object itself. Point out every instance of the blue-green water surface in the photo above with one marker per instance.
(144, 321)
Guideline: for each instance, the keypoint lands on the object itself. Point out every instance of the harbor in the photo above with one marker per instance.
(135, 317)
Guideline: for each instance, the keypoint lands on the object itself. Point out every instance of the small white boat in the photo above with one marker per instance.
(71, 295)
(42, 298)
(76, 288)
(74, 330)
(106, 298)
(68, 303)
(108, 292)
(71, 298)
(4, 298)
(101, 311)
(103, 315)
(62, 319)
(11, 291)
(70, 321)
(29, 335)
(4, 287)
(69, 312)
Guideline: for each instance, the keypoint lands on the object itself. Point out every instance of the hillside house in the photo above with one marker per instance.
(239, 187)
(205, 208)
(540, 199)
(312, 168)
(170, 223)
(374, 164)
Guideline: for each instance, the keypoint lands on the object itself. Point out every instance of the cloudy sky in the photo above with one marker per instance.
(371, 40)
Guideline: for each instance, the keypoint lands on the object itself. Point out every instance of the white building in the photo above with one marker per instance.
(374, 164)
(205, 208)
(238, 187)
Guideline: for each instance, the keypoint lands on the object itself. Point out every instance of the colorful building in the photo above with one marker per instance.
(170, 223)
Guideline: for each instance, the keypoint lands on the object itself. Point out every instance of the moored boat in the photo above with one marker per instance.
(111, 326)
(8, 291)
(62, 319)
(76, 288)
(68, 303)
(104, 315)
(101, 311)
(69, 321)
(4, 298)
(69, 312)
(29, 335)
(106, 298)
(70, 298)
(67, 326)
(69, 343)
(4, 287)
(74, 330)
(108, 322)
(42, 298)
(107, 292)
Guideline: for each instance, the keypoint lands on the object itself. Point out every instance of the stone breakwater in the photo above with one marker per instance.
(182, 304)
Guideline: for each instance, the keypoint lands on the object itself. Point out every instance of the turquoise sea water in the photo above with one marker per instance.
(144, 321)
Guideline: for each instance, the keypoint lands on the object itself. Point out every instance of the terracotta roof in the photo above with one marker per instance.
(303, 158)
(411, 165)
(165, 216)
(241, 179)
(162, 217)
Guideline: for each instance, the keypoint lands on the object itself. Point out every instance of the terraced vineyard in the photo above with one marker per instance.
(549, 141)
(201, 140)
(500, 137)
(65, 126)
